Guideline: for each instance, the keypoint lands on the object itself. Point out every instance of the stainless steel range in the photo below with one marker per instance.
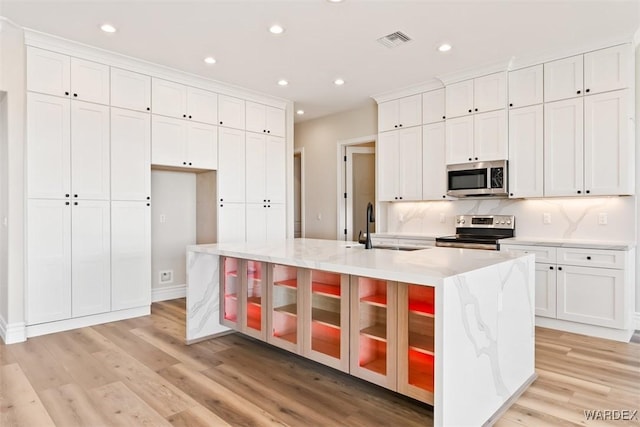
(479, 232)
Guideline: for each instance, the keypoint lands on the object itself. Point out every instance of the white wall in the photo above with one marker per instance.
(206, 208)
(173, 195)
(320, 138)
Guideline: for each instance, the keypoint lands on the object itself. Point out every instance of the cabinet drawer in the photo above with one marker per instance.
(592, 258)
(542, 253)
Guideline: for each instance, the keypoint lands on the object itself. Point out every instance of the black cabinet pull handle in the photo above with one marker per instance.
(511, 194)
(400, 125)
(469, 110)
(75, 94)
(148, 109)
(221, 200)
(578, 92)
(589, 257)
(264, 130)
(184, 115)
(395, 198)
(269, 200)
(66, 93)
(588, 191)
(270, 131)
(264, 206)
(220, 205)
(444, 117)
(551, 267)
(66, 203)
(189, 163)
(476, 109)
(559, 268)
(189, 116)
(184, 163)
(264, 200)
(579, 192)
(148, 197)
(75, 203)
(511, 105)
(400, 197)
(587, 90)
(395, 126)
(75, 195)
(66, 195)
(148, 204)
(476, 158)
(220, 122)
(444, 197)
(268, 206)
(470, 159)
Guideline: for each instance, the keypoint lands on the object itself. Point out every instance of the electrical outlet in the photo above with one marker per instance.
(546, 218)
(602, 218)
(166, 276)
(443, 218)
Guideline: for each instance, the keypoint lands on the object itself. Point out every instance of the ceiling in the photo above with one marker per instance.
(324, 41)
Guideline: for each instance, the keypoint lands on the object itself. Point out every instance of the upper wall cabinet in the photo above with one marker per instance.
(525, 87)
(433, 106)
(594, 72)
(265, 119)
(60, 75)
(130, 90)
(130, 155)
(487, 93)
(231, 112)
(400, 113)
(178, 143)
(184, 102)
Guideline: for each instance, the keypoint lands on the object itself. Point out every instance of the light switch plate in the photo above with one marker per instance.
(603, 218)
(546, 218)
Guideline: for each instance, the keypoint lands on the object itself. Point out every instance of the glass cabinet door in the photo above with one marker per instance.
(284, 318)
(231, 289)
(254, 317)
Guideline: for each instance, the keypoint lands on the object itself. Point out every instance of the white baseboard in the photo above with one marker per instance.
(622, 335)
(168, 292)
(12, 333)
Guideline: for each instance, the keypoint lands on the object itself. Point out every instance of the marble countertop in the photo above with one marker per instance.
(399, 235)
(570, 243)
(426, 266)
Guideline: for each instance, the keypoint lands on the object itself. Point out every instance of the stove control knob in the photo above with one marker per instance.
(508, 222)
(462, 221)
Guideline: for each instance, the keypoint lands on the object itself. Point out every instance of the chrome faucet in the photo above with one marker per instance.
(370, 219)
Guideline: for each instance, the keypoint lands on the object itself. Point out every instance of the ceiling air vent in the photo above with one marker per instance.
(394, 39)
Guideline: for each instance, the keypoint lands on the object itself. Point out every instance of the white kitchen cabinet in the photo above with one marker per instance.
(459, 140)
(202, 105)
(265, 119)
(48, 146)
(265, 169)
(90, 134)
(231, 170)
(400, 113)
(276, 222)
(563, 147)
(481, 137)
(48, 72)
(545, 290)
(433, 106)
(231, 222)
(459, 99)
(479, 95)
(608, 148)
(526, 86)
(526, 156)
(231, 112)
(563, 78)
(184, 144)
(434, 173)
(266, 222)
(130, 90)
(130, 254)
(90, 258)
(48, 284)
(400, 165)
(184, 102)
(89, 81)
(130, 155)
(607, 69)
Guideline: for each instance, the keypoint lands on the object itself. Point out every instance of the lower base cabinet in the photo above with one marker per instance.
(285, 300)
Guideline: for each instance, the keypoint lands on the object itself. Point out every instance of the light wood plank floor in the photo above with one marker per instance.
(139, 372)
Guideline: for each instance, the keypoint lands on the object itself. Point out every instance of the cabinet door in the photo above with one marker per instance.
(130, 155)
(231, 112)
(490, 93)
(130, 90)
(459, 99)
(231, 290)
(231, 222)
(525, 86)
(433, 106)
(202, 105)
(231, 165)
(490, 136)
(545, 290)
(276, 169)
(48, 290)
(563, 148)
(90, 81)
(608, 151)
(388, 115)
(130, 255)
(459, 135)
(202, 146)
(48, 146)
(48, 72)
(410, 111)
(254, 299)
(563, 78)
(434, 171)
(607, 69)
(526, 139)
(256, 222)
(90, 258)
(285, 307)
(410, 164)
(90, 134)
(255, 167)
(169, 98)
(276, 222)
(591, 295)
(387, 158)
(256, 117)
(276, 122)
(168, 147)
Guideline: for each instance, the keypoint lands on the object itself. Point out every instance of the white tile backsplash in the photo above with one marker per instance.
(571, 218)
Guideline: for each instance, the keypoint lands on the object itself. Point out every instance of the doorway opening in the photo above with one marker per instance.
(357, 170)
(298, 193)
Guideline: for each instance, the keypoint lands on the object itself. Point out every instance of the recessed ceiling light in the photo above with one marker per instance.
(108, 28)
(283, 82)
(300, 112)
(444, 47)
(338, 82)
(276, 29)
(334, 1)
(210, 60)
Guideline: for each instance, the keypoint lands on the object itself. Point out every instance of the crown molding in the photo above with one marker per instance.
(427, 86)
(478, 71)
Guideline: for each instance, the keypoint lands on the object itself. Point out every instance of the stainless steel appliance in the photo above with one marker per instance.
(477, 179)
(479, 232)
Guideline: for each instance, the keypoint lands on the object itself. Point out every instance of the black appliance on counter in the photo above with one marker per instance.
(479, 232)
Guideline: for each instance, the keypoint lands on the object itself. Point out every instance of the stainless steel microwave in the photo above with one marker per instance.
(477, 179)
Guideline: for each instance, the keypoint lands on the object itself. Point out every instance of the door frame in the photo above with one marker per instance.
(341, 202)
(300, 151)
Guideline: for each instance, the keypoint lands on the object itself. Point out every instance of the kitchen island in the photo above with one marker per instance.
(451, 327)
